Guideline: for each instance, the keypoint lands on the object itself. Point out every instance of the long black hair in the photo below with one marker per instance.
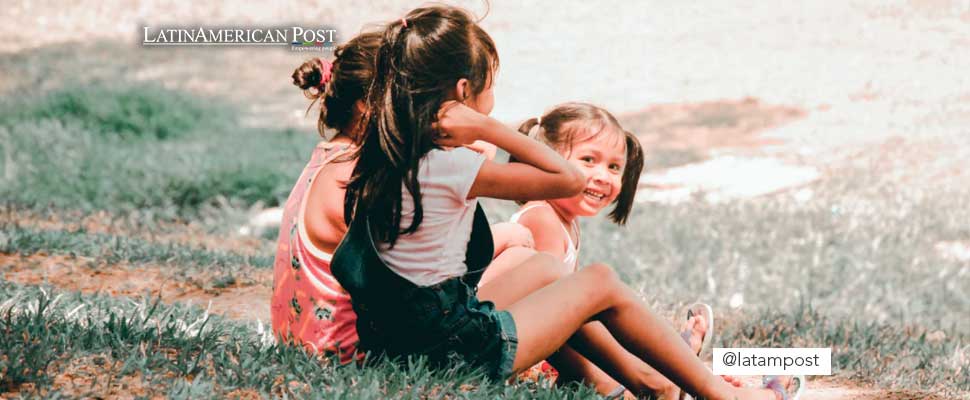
(420, 59)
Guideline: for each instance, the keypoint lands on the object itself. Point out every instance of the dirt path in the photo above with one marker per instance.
(245, 295)
(833, 388)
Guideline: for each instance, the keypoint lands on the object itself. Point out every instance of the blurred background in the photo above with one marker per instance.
(808, 166)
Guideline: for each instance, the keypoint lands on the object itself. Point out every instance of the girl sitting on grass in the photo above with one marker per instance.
(418, 241)
(308, 305)
(592, 139)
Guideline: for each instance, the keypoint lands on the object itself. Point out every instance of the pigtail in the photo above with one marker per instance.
(340, 84)
(629, 182)
(526, 127)
(309, 77)
(532, 128)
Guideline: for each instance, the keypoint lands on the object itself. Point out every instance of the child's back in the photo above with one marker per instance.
(308, 304)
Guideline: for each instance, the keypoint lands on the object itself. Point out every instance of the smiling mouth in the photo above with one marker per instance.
(595, 195)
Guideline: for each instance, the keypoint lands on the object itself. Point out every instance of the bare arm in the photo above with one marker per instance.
(541, 173)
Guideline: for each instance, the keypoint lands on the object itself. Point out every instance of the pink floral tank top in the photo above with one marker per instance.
(308, 304)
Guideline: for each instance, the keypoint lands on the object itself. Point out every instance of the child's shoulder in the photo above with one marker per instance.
(545, 226)
(538, 214)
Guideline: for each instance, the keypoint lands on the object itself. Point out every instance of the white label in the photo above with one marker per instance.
(773, 361)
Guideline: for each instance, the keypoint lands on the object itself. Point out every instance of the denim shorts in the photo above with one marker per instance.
(448, 324)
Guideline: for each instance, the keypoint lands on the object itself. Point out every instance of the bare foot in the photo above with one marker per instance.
(733, 380)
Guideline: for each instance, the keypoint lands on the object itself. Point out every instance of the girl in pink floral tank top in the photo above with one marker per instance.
(308, 306)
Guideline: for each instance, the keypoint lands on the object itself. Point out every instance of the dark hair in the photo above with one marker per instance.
(420, 59)
(566, 123)
(350, 77)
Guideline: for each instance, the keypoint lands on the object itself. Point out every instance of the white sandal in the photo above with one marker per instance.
(703, 310)
(794, 389)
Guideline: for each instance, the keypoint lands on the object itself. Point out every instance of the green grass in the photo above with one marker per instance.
(181, 353)
(854, 268)
(119, 249)
(125, 111)
(127, 147)
(852, 252)
(887, 355)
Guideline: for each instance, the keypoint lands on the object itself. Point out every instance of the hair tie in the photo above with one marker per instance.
(326, 72)
(539, 120)
(404, 22)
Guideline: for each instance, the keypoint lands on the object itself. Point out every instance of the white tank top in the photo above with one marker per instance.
(572, 251)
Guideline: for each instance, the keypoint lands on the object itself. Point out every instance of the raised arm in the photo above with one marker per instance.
(540, 174)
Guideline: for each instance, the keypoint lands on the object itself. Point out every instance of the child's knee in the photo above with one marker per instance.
(601, 273)
(552, 268)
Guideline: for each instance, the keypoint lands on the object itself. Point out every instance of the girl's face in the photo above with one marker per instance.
(602, 159)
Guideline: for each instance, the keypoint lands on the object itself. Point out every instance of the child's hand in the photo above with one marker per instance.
(458, 124)
(511, 234)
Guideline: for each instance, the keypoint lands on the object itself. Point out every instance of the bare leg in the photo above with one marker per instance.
(595, 341)
(523, 272)
(513, 257)
(595, 292)
(573, 367)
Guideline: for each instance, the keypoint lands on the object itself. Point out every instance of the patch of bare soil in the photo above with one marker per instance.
(243, 295)
(699, 128)
(831, 388)
(188, 234)
(685, 145)
(103, 377)
(97, 376)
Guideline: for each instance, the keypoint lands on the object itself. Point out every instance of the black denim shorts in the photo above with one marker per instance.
(446, 323)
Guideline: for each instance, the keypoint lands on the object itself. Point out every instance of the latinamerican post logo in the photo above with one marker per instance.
(298, 38)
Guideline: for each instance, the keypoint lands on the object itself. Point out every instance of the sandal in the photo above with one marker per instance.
(703, 310)
(792, 391)
(616, 394)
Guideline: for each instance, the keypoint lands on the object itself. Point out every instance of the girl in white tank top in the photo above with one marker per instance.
(571, 257)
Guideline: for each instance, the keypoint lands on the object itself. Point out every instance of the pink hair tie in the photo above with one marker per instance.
(404, 22)
(326, 72)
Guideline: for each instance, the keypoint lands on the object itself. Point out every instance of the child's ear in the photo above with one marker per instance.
(462, 90)
(359, 105)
